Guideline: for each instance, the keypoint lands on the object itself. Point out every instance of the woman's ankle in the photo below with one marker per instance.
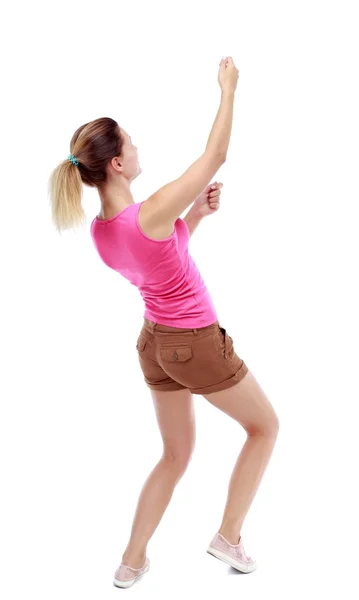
(230, 536)
(135, 560)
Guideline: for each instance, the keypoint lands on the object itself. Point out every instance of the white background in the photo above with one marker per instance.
(78, 430)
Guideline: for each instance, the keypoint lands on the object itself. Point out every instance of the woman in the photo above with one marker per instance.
(182, 348)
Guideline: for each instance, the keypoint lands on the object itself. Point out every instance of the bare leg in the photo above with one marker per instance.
(152, 503)
(247, 404)
(176, 420)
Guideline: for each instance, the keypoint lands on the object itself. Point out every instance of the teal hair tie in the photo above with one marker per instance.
(73, 159)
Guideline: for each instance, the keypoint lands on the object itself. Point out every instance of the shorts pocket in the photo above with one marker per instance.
(141, 344)
(176, 354)
(225, 344)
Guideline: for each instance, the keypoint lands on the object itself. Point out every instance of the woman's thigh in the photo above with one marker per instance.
(247, 403)
(176, 420)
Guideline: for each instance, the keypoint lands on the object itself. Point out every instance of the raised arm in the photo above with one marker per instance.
(159, 212)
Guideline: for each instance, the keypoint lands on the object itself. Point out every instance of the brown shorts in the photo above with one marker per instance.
(202, 360)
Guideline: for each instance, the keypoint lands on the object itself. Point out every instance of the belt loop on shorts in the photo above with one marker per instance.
(195, 331)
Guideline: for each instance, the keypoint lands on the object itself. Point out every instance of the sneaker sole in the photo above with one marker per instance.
(231, 561)
(129, 582)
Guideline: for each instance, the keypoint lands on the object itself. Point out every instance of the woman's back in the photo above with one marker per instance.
(163, 270)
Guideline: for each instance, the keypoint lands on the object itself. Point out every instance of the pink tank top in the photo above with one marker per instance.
(170, 284)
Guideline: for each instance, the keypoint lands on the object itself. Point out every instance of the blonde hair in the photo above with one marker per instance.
(93, 145)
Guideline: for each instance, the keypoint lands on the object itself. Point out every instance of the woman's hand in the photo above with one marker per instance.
(228, 74)
(207, 203)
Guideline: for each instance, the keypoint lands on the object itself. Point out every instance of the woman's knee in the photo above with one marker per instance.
(178, 459)
(269, 427)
